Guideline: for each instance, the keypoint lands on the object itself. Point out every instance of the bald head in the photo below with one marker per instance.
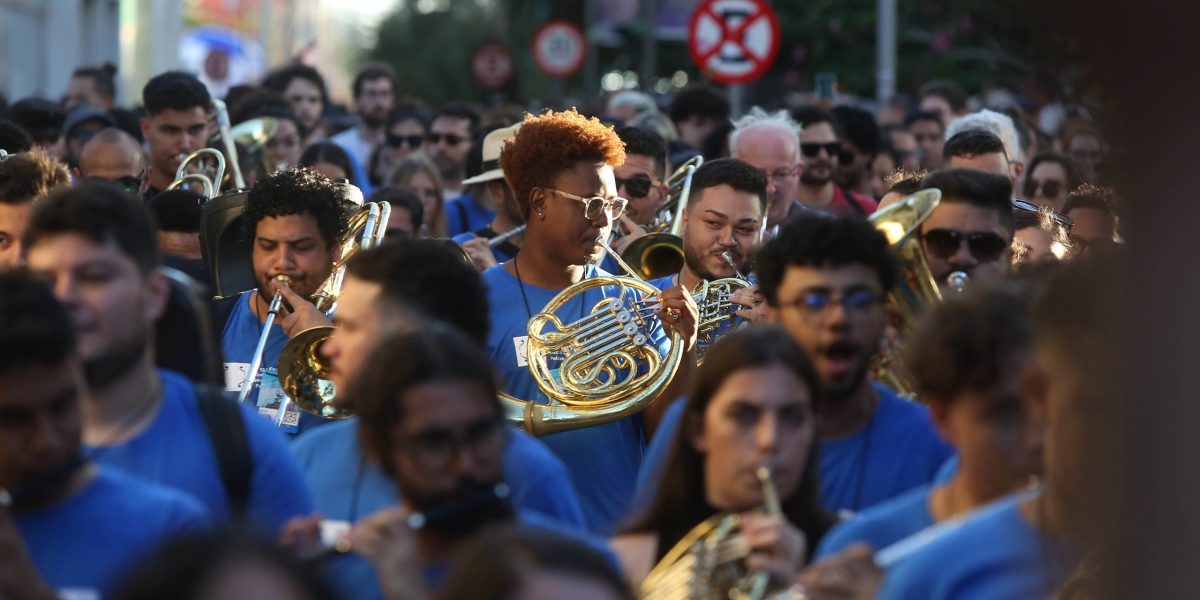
(111, 154)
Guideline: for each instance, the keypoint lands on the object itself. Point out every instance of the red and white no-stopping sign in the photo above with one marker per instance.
(558, 48)
(734, 41)
(492, 65)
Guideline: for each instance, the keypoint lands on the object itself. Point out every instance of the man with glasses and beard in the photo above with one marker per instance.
(374, 97)
(825, 280)
(449, 141)
(821, 146)
(971, 230)
(96, 246)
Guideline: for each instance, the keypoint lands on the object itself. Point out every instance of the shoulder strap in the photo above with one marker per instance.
(223, 420)
(222, 309)
(852, 201)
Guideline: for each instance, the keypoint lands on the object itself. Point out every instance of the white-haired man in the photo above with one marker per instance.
(1002, 126)
(770, 142)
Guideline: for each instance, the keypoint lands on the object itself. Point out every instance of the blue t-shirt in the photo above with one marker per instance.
(348, 487)
(175, 450)
(947, 472)
(89, 540)
(904, 452)
(497, 252)
(881, 525)
(603, 460)
(993, 554)
(239, 340)
(896, 451)
(464, 214)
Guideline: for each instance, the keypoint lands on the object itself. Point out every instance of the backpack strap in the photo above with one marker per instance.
(852, 201)
(223, 420)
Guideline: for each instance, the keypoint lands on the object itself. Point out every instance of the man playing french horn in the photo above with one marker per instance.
(294, 220)
(560, 166)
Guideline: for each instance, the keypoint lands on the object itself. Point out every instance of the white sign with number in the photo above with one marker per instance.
(559, 48)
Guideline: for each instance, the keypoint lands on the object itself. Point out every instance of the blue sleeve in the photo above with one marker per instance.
(541, 482)
(454, 213)
(838, 538)
(655, 459)
(278, 491)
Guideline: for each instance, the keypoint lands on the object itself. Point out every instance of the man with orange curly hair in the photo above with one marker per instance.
(560, 166)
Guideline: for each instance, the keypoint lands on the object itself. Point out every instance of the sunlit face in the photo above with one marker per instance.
(721, 220)
(305, 98)
(358, 323)
(1033, 244)
(410, 134)
(375, 101)
(775, 153)
(172, 135)
(448, 145)
(41, 423)
(759, 416)
(841, 337)
(572, 234)
(112, 304)
(291, 245)
(819, 168)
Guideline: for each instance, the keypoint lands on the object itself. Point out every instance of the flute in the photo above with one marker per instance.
(504, 237)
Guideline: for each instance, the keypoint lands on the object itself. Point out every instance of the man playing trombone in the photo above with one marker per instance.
(176, 124)
(560, 166)
(294, 219)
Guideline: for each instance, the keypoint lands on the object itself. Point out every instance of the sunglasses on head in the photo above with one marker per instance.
(812, 149)
(1050, 188)
(450, 138)
(984, 246)
(413, 141)
(1029, 207)
(636, 187)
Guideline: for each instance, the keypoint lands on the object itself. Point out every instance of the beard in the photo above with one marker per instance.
(374, 121)
(463, 512)
(809, 177)
(117, 360)
(837, 392)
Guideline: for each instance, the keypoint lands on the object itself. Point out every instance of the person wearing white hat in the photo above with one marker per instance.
(491, 187)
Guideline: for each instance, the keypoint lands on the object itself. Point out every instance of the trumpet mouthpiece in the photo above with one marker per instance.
(284, 279)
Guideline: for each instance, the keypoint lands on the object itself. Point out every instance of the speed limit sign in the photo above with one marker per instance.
(559, 48)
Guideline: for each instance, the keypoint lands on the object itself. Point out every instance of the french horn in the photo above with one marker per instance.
(610, 367)
(707, 563)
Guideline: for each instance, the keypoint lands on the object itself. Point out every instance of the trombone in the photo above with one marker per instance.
(212, 186)
(660, 253)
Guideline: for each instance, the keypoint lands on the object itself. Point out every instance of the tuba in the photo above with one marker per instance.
(303, 372)
(916, 286)
(707, 563)
(610, 366)
(660, 253)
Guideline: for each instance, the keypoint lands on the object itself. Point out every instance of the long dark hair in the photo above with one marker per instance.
(680, 502)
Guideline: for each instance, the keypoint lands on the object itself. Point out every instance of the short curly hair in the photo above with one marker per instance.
(552, 142)
(295, 191)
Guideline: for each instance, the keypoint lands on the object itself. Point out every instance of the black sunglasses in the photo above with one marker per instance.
(636, 187)
(812, 149)
(413, 141)
(984, 246)
(450, 138)
(128, 184)
(1050, 188)
(1062, 220)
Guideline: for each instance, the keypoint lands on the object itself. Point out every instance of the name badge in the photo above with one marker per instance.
(235, 375)
(271, 397)
(520, 343)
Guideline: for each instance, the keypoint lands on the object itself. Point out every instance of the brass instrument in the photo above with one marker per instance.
(659, 253)
(707, 563)
(221, 113)
(610, 368)
(272, 312)
(211, 185)
(302, 370)
(251, 136)
(916, 286)
(712, 298)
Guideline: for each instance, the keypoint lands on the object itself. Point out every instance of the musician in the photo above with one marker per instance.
(68, 524)
(294, 218)
(391, 289)
(641, 180)
(491, 189)
(771, 143)
(751, 404)
(971, 230)
(432, 421)
(176, 124)
(96, 245)
(1024, 546)
(24, 178)
(825, 280)
(560, 166)
(967, 356)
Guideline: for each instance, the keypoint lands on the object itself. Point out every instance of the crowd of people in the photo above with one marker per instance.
(128, 470)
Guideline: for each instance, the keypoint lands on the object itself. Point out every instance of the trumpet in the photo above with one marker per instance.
(707, 563)
(611, 367)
